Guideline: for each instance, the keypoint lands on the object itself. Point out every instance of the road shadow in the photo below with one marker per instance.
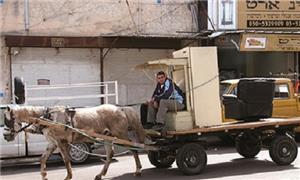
(235, 167)
(52, 165)
(220, 148)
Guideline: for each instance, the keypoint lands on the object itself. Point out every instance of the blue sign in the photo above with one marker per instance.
(1, 94)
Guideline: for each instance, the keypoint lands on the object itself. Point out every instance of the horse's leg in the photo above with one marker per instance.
(138, 171)
(109, 154)
(64, 147)
(50, 148)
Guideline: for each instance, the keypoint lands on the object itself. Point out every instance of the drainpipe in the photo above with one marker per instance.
(102, 73)
(11, 96)
(26, 14)
(296, 66)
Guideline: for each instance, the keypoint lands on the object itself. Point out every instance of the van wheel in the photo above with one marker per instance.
(247, 144)
(283, 150)
(161, 159)
(191, 159)
(77, 155)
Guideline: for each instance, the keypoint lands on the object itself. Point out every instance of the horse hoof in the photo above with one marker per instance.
(137, 174)
(98, 177)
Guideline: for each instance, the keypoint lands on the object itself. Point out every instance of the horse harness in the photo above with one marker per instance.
(10, 123)
(71, 113)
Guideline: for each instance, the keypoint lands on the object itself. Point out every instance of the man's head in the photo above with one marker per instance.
(161, 77)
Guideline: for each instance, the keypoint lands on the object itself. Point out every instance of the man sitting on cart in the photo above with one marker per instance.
(167, 96)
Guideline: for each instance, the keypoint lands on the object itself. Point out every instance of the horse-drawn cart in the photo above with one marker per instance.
(195, 71)
(187, 147)
(185, 136)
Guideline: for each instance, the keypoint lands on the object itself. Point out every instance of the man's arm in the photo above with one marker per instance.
(155, 91)
(168, 90)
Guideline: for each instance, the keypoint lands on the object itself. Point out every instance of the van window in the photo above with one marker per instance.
(281, 91)
(234, 91)
(224, 89)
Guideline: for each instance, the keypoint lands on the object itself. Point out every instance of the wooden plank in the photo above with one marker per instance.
(99, 137)
(240, 125)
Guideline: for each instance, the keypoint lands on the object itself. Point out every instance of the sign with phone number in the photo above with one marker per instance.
(268, 14)
(273, 23)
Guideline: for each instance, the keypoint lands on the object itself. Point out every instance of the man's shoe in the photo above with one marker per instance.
(148, 126)
(158, 127)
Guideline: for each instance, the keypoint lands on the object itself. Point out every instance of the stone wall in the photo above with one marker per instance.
(98, 17)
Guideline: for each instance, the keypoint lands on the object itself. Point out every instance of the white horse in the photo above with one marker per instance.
(104, 119)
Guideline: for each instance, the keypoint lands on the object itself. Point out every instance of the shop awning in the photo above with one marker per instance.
(97, 42)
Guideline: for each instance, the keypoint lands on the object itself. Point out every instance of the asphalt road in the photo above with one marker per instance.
(223, 163)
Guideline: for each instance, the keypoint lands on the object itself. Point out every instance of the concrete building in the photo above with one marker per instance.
(65, 41)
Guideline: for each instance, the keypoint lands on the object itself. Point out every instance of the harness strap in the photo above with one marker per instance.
(71, 112)
(23, 128)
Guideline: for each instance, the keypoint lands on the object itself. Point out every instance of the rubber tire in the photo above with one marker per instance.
(82, 156)
(156, 160)
(245, 148)
(275, 150)
(185, 165)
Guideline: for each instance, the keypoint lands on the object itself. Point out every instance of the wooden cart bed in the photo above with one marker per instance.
(272, 122)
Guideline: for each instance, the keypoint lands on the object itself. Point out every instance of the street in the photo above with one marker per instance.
(223, 163)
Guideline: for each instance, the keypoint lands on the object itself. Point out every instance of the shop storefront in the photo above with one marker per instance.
(261, 38)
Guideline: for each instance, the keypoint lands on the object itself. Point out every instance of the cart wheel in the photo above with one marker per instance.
(191, 159)
(247, 145)
(161, 159)
(283, 150)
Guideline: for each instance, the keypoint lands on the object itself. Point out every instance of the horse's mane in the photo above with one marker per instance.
(24, 111)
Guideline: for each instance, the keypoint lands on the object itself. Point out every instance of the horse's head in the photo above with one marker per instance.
(12, 123)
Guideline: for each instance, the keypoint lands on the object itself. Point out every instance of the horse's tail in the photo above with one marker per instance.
(135, 123)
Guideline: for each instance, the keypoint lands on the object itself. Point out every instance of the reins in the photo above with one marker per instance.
(23, 128)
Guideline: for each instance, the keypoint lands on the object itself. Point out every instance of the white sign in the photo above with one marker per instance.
(255, 42)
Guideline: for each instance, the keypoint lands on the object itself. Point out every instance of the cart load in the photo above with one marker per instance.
(195, 71)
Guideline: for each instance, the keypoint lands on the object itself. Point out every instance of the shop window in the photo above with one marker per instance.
(281, 91)
(43, 82)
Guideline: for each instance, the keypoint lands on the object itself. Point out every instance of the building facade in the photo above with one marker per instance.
(69, 42)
